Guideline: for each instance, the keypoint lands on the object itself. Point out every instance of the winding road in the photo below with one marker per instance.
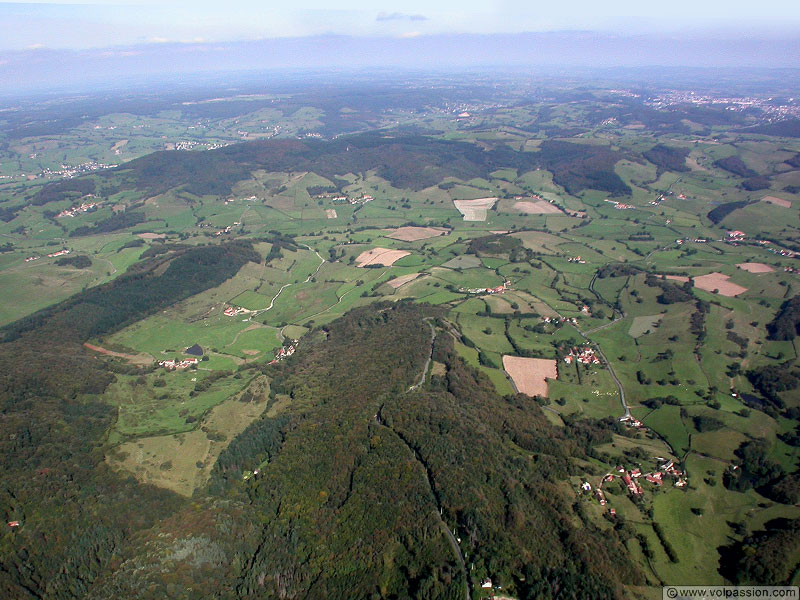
(287, 285)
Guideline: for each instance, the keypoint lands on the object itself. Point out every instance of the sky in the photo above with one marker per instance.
(64, 45)
(102, 23)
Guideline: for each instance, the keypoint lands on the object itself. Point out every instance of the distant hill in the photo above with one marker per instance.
(412, 162)
(787, 128)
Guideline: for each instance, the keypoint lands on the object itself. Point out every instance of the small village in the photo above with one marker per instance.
(83, 208)
(347, 200)
(619, 205)
(584, 355)
(560, 320)
(493, 290)
(68, 172)
(631, 478)
(178, 364)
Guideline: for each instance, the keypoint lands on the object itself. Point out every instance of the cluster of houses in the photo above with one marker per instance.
(619, 205)
(346, 199)
(59, 253)
(493, 290)
(248, 199)
(232, 311)
(584, 355)
(663, 197)
(560, 320)
(178, 364)
(631, 479)
(13, 523)
(782, 252)
(631, 422)
(30, 258)
(68, 172)
(284, 352)
(576, 259)
(84, 207)
(227, 229)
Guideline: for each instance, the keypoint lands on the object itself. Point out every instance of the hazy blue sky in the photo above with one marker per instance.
(102, 23)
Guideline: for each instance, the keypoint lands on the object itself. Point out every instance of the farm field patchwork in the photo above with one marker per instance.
(545, 245)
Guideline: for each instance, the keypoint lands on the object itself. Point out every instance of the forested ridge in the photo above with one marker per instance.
(359, 478)
(76, 513)
(406, 161)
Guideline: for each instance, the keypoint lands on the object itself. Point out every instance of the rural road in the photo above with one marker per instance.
(427, 362)
(315, 315)
(610, 370)
(584, 335)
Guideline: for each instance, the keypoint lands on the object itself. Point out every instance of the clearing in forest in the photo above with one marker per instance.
(530, 375)
(182, 462)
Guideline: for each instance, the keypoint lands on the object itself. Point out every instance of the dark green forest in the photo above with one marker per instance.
(406, 161)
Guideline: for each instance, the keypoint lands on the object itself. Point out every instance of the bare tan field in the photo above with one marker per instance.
(474, 210)
(752, 267)
(412, 234)
(137, 359)
(539, 207)
(718, 281)
(331, 213)
(680, 278)
(402, 280)
(151, 236)
(380, 256)
(530, 374)
(777, 201)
